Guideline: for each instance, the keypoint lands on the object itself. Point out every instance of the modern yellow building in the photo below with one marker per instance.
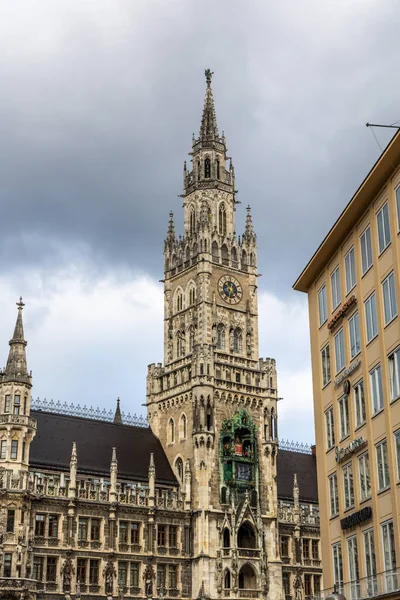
(353, 288)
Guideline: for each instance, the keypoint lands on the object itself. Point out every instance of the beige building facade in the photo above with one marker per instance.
(353, 288)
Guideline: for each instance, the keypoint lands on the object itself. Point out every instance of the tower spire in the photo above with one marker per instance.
(209, 127)
(118, 416)
(171, 228)
(16, 369)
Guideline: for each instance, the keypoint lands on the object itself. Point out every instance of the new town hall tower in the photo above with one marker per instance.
(213, 403)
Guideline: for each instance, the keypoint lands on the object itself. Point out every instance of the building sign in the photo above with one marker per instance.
(347, 372)
(343, 453)
(358, 517)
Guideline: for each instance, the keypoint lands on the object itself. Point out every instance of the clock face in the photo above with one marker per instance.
(230, 289)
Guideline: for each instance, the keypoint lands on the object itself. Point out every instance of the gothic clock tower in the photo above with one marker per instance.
(213, 402)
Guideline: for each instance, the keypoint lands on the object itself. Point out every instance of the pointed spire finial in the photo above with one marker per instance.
(208, 127)
(249, 231)
(118, 416)
(171, 227)
(16, 368)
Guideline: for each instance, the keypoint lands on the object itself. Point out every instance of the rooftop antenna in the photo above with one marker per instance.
(392, 126)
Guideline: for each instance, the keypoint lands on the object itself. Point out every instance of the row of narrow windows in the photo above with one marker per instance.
(182, 431)
(11, 452)
(180, 299)
(14, 405)
(207, 169)
(217, 256)
(235, 336)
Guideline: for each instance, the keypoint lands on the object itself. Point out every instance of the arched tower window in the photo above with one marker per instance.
(222, 219)
(246, 537)
(214, 251)
(252, 260)
(221, 337)
(171, 431)
(234, 257)
(227, 579)
(192, 220)
(226, 538)
(180, 344)
(183, 426)
(218, 170)
(179, 468)
(224, 254)
(247, 578)
(179, 301)
(207, 168)
(244, 260)
(198, 170)
(237, 340)
(187, 258)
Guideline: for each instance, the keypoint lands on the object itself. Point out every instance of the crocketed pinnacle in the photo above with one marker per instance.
(16, 369)
(118, 416)
(249, 231)
(209, 127)
(171, 228)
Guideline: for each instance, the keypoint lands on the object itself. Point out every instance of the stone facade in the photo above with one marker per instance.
(188, 508)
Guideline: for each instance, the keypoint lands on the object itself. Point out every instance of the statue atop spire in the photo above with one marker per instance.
(209, 127)
(16, 369)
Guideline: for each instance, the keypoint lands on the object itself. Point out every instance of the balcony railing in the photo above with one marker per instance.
(369, 587)
(249, 593)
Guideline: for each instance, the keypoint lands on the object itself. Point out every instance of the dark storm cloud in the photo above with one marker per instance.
(99, 101)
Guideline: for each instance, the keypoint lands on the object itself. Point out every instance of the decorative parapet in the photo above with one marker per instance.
(301, 447)
(341, 312)
(85, 412)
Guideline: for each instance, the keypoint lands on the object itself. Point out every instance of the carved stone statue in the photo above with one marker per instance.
(149, 576)
(218, 572)
(298, 585)
(67, 571)
(109, 574)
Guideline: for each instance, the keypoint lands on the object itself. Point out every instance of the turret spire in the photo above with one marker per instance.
(249, 222)
(118, 416)
(171, 228)
(209, 127)
(16, 369)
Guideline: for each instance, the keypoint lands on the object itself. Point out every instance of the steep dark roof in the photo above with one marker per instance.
(52, 446)
(304, 465)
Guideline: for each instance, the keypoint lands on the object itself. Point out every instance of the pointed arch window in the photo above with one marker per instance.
(227, 579)
(179, 468)
(222, 219)
(192, 220)
(220, 337)
(191, 339)
(237, 340)
(171, 431)
(180, 344)
(234, 257)
(218, 169)
(207, 168)
(214, 251)
(198, 170)
(179, 301)
(183, 427)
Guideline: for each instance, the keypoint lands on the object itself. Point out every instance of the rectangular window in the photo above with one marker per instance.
(161, 535)
(335, 285)
(172, 576)
(161, 578)
(53, 526)
(81, 569)
(389, 556)
(83, 528)
(284, 545)
(172, 531)
(353, 568)
(350, 268)
(135, 574)
(317, 586)
(365, 484)
(382, 465)
(348, 486)
(17, 404)
(344, 416)
(394, 374)
(326, 365)
(307, 584)
(370, 317)
(376, 389)
(306, 548)
(383, 227)
(370, 563)
(359, 404)
(38, 567)
(330, 428)
(315, 549)
(8, 564)
(337, 566)
(95, 530)
(366, 250)
(94, 572)
(339, 351)
(333, 495)
(286, 583)
(322, 305)
(135, 533)
(14, 449)
(389, 298)
(123, 531)
(354, 329)
(10, 521)
(397, 450)
(122, 573)
(3, 449)
(40, 521)
(398, 206)
(51, 568)
(7, 403)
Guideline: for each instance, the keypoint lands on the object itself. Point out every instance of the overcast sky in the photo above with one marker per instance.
(98, 103)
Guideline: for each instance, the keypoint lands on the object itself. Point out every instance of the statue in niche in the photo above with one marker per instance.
(67, 571)
(149, 576)
(238, 447)
(298, 585)
(109, 574)
(218, 573)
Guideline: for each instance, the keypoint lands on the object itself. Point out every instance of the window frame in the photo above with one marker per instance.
(384, 209)
(330, 428)
(350, 270)
(333, 495)
(339, 350)
(364, 474)
(344, 417)
(381, 452)
(335, 288)
(354, 330)
(389, 301)
(394, 373)
(337, 559)
(359, 403)
(326, 365)
(397, 197)
(348, 486)
(371, 320)
(379, 389)
(366, 235)
(322, 305)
